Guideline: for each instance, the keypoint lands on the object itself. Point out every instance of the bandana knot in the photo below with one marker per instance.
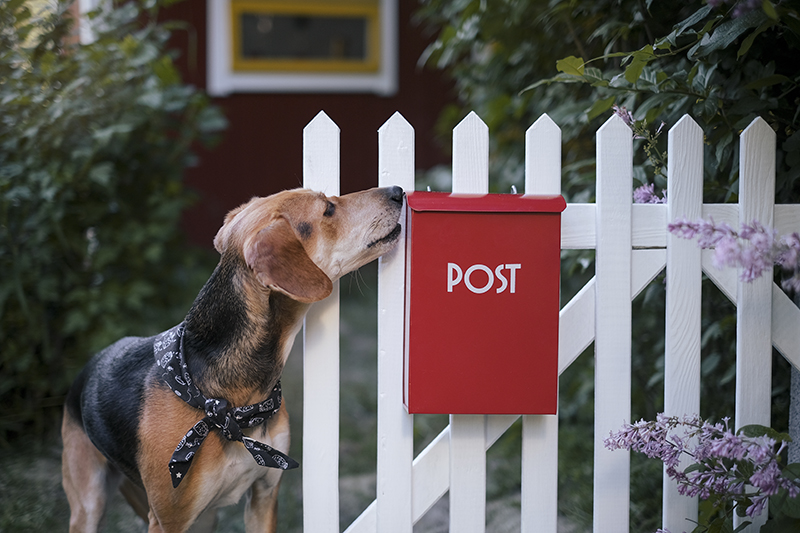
(168, 352)
(217, 411)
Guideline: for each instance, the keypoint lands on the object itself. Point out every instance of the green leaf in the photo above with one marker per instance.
(101, 173)
(639, 60)
(768, 81)
(748, 41)
(571, 65)
(743, 525)
(560, 78)
(600, 107)
(693, 73)
(634, 70)
(594, 76)
(769, 9)
(694, 467)
(782, 503)
(726, 33)
(693, 19)
(757, 430)
(780, 524)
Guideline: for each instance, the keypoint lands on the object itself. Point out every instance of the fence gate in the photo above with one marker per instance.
(632, 248)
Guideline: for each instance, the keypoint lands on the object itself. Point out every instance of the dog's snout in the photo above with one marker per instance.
(395, 194)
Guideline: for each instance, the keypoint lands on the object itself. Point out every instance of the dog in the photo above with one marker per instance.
(186, 421)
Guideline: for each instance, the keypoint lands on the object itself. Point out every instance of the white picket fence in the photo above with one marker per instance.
(632, 248)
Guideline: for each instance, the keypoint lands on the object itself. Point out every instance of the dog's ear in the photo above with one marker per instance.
(280, 262)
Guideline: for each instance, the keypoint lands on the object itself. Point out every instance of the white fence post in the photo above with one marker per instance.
(612, 322)
(754, 299)
(540, 432)
(468, 432)
(321, 354)
(683, 304)
(395, 425)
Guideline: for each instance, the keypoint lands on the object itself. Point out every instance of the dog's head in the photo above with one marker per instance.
(298, 242)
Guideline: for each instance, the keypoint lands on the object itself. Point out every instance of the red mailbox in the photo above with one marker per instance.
(482, 299)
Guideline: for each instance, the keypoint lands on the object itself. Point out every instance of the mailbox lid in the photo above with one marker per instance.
(485, 203)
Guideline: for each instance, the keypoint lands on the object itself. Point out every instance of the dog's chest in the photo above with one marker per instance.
(235, 470)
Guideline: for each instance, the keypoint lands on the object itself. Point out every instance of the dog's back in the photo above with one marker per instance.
(106, 400)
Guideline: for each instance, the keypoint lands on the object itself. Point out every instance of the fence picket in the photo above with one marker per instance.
(468, 432)
(683, 302)
(539, 497)
(612, 322)
(754, 299)
(395, 425)
(321, 354)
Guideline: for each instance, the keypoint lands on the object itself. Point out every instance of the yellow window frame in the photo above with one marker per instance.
(368, 11)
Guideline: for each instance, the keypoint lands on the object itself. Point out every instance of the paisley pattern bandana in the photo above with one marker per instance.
(168, 351)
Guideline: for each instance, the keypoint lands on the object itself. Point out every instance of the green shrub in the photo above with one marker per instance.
(93, 142)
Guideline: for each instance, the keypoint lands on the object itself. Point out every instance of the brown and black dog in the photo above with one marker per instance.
(122, 421)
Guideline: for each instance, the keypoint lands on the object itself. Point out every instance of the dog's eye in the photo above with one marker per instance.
(329, 210)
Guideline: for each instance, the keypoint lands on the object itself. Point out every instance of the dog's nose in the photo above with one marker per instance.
(395, 194)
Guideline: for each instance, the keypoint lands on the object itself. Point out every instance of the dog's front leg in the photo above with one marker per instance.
(261, 511)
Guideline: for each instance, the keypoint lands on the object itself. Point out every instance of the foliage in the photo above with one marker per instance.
(725, 67)
(513, 60)
(93, 141)
(658, 59)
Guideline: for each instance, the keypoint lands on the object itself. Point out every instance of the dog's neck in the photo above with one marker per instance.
(238, 334)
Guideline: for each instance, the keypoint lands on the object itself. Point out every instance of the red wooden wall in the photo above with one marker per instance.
(260, 152)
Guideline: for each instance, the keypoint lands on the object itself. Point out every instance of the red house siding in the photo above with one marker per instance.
(261, 151)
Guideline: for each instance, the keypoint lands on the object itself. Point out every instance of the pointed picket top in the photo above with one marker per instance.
(757, 173)
(396, 122)
(321, 122)
(396, 153)
(758, 126)
(614, 156)
(471, 156)
(686, 124)
(685, 172)
(543, 157)
(321, 155)
(614, 123)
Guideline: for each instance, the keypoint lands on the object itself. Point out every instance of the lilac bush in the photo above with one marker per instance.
(755, 249)
(743, 468)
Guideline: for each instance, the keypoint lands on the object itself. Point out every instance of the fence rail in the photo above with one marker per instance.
(632, 248)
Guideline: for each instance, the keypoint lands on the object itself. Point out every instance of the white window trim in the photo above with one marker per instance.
(222, 80)
(87, 35)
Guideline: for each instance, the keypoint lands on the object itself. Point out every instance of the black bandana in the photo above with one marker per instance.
(168, 351)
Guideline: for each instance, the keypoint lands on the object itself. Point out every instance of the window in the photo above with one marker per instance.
(302, 46)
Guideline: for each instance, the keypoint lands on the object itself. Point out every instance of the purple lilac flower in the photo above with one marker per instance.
(717, 451)
(727, 252)
(742, 7)
(755, 249)
(745, 6)
(624, 114)
(646, 195)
